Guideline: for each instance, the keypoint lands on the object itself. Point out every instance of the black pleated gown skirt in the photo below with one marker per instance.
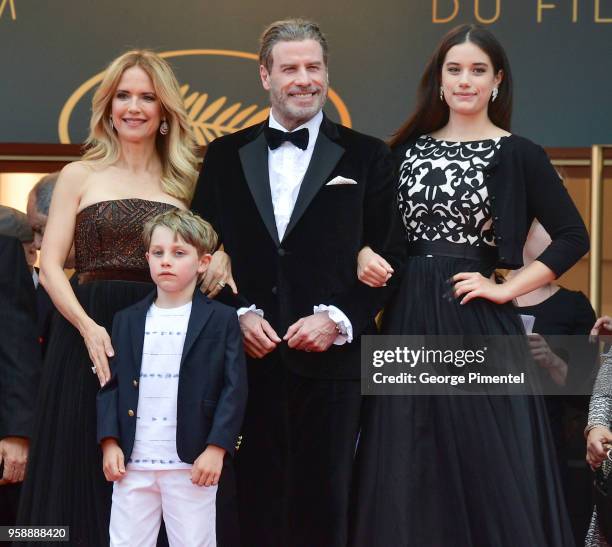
(463, 470)
(64, 483)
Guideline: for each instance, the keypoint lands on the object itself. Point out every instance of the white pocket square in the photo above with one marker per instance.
(340, 180)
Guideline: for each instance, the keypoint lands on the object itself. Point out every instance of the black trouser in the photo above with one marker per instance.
(324, 418)
(261, 461)
(9, 502)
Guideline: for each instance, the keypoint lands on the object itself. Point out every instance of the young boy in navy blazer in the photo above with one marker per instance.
(175, 403)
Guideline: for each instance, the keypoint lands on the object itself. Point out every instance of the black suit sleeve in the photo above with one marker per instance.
(107, 400)
(383, 233)
(549, 202)
(19, 348)
(206, 204)
(231, 405)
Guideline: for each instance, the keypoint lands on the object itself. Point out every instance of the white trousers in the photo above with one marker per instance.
(140, 499)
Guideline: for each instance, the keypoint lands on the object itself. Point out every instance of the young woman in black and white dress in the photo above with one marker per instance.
(472, 470)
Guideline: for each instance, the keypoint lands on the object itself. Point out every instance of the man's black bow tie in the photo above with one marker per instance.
(276, 137)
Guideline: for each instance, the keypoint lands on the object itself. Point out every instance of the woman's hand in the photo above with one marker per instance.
(373, 269)
(470, 285)
(99, 347)
(596, 452)
(218, 274)
(547, 358)
(602, 327)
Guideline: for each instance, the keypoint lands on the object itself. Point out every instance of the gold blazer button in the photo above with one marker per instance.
(130, 413)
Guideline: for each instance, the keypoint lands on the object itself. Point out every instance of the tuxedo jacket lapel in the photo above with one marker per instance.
(254, 159)
(325, 157)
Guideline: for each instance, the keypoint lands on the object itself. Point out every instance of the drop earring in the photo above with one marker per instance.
(494, 94)
(164, 128)
(441, 93)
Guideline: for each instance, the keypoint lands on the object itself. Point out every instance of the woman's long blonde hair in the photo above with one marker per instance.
(176, 149)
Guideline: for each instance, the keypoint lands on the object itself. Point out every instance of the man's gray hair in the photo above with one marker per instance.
(289, 30)
(43, 190)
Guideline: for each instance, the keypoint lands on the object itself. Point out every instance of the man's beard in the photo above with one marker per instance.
(293, 113)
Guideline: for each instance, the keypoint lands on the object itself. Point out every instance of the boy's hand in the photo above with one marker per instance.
(112, 460)
(206, 470)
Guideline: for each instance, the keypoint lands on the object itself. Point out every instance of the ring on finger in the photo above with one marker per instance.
(221, 284)
(93, 369)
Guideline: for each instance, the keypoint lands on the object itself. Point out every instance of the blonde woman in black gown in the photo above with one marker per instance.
(140, 162)
(471, 470)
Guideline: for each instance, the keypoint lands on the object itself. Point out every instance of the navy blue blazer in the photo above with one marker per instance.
(212, 390)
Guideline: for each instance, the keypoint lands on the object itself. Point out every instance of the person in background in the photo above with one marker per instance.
(19, 365)
(39, 201)
(14, 223)
(597, 432)
(37, 210)
(560, 346)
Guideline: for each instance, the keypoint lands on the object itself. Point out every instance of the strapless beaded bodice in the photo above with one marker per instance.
(108, 235)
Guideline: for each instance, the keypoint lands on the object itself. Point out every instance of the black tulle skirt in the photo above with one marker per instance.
(64, 483)
(461, 471)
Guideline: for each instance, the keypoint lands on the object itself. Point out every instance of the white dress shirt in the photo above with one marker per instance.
(287, 166)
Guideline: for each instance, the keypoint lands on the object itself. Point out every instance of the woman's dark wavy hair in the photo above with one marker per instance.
(430, 112)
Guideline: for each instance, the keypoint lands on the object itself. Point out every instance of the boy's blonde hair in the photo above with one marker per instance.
(192, 229)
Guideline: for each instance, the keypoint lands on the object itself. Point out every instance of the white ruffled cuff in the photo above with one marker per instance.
(345, 328)
(242, 311)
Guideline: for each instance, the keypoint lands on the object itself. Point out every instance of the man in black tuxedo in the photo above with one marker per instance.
(294, 199)
(19, 371)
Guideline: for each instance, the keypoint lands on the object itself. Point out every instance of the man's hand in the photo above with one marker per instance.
(112, 460)
(14, 455)
(206, 470)
(313, 333)
(259, 336)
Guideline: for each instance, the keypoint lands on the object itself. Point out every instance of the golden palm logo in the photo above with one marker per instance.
(210, 120)
(210, 117)
(11, 5)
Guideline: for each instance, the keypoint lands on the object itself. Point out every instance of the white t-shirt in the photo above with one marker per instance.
(155, 442)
